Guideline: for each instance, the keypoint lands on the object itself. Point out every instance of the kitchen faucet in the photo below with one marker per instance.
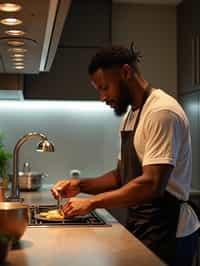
(43, 146)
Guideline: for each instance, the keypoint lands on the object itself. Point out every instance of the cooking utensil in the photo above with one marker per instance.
(13, 218)
(59, 200)
(31, 180)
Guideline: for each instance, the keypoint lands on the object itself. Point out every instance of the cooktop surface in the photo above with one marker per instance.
(91, 219)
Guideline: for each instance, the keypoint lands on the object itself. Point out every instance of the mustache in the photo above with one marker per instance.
(110, 102)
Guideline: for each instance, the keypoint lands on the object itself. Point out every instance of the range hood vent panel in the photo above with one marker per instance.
(43, 25)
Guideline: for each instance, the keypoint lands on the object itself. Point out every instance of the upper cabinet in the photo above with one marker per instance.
(88, 24)
(67, 80)
(188, 46)
(87, 27)
(191, 105)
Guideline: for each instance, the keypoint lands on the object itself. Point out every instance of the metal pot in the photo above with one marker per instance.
(30, 180)
(13, 218)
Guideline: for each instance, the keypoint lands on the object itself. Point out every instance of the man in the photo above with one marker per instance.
(153, 174)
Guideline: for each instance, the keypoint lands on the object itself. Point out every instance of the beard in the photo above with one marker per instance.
(124, 99)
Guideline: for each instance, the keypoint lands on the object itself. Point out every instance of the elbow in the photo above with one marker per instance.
(158, 190)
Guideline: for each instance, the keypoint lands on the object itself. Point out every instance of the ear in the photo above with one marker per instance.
(126, 72)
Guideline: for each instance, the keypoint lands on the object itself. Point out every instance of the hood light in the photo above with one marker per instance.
(17, 59)
(10, 21)
(15, 43)
(17, 55)
(15, 32)
(17, 50)
(10, 7)
(19, 67)
(18, 63)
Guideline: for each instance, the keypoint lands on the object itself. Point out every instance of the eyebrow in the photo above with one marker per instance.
(93, 84)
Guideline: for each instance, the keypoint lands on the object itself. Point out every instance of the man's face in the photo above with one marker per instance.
(112, 89)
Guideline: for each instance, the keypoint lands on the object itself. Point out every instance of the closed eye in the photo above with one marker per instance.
(105, 88)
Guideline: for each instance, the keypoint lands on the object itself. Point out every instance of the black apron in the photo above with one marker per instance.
(155, 222)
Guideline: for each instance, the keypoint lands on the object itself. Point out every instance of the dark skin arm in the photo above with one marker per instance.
(71, 187)
(107, 182)
(149, 185)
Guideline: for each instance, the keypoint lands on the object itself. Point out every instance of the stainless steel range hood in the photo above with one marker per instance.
(43, 23)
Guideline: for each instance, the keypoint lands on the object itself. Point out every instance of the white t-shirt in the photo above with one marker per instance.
(163, 136)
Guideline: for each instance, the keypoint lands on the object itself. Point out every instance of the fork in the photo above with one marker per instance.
(59, 200)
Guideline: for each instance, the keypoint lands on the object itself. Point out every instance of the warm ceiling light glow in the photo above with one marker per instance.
(19, 67)
(10, 21)
(15, 32)
(17, 59)
(18, 63)
(15, 43)
(17, 55)
(17, 50)
(10, 7)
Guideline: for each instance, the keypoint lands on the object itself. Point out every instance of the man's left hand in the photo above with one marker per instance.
(77, 206)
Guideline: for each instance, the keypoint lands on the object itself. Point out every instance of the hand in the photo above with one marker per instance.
(66, 188)
(77, 206)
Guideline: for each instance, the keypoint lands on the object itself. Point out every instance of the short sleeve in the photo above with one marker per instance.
(162, 138)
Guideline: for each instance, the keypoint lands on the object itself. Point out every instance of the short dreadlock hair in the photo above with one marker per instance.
(114, 56)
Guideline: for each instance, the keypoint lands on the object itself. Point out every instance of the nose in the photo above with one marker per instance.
(102, 96)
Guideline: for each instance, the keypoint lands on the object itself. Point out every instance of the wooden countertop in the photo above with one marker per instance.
(79, 246)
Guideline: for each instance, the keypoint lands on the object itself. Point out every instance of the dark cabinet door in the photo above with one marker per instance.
(196, 40)
(185, 63)
(88, 24)
(188, 46)
(68, 78)
(191, 106)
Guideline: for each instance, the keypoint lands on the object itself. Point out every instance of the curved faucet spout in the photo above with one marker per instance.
(15, 193)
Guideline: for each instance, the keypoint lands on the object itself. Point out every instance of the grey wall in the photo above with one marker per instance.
(85, 135)
(153, 30)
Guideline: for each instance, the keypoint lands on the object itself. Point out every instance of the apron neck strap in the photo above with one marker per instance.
(146, 94)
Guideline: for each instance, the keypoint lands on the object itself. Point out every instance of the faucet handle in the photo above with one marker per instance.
(27, 167)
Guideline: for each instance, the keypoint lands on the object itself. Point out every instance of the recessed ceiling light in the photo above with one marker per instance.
(18, 67)
(17, 50)
(15, 32)
(18, 63)
(15, 43)
(17, 59)
(17, 55)
(11, 21)
(10, 7)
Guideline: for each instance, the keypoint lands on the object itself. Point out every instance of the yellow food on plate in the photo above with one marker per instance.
(43, 214)
(52, 214)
